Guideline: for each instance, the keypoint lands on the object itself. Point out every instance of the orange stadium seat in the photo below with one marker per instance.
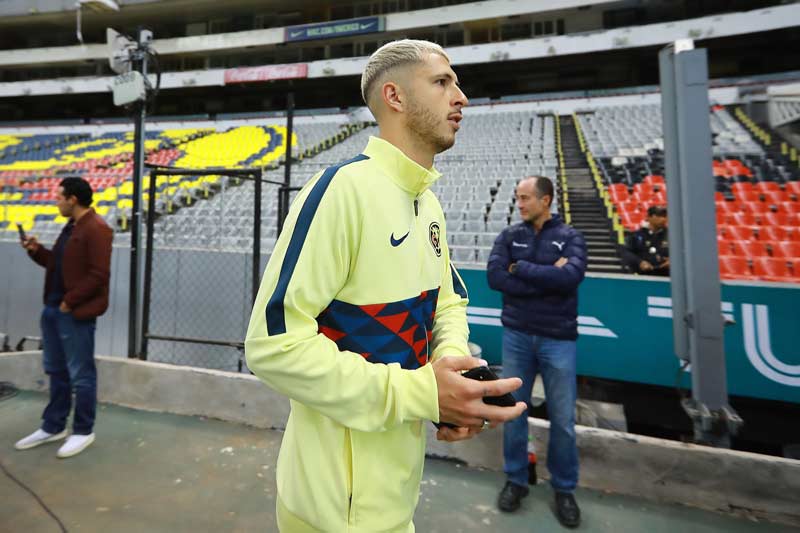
(737, 233)
(778, 219)
(749, 248)
(755, 207)
(745, 219)
(775, 233)
(732, 267)
(788, 249)
(767, 186)
(772, 269)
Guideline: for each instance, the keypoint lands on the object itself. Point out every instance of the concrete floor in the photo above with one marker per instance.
(159, 472)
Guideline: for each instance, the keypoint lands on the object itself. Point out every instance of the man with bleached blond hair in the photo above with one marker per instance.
(361, 318)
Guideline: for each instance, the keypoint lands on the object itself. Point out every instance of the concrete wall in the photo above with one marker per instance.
(196, 293)
(758, 486)
(21, 290)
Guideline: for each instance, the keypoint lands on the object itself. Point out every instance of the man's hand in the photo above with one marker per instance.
(645, 266)
(665, 264)
(461, 399)
(512, 267)
(31, 244)
(455, 434)
(64, 308)
(561, 262)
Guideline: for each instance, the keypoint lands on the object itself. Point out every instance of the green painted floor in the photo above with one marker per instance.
(150, 472)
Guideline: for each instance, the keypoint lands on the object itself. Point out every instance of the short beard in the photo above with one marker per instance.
(423, 124)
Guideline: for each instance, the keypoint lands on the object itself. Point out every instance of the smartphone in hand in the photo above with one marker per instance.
(21, 232)
(484, 373)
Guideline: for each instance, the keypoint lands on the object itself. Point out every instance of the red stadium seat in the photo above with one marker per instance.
(749, 249)
(619, 195)
(757, 208)
(727, 207)
(742, 186)
(737, 233)
(659, 198)
(724, 246)
(775, 197)
(789, 249)
(631, 206)
(788, 207)
(773, 233)
(767, 186)
(777, 219)
(793, 187)
(772, 269)
(735, 268)
(654, 179)
(745, 219)
(746, 196)
(632, 220)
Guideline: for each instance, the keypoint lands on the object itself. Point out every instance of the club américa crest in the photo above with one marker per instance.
(434, 233)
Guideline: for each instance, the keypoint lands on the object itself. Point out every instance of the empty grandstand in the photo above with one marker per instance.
(566, 89)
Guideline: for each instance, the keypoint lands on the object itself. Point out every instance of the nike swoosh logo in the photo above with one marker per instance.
(397, 242)
(365, 26)
(297, 33)
(516, 244)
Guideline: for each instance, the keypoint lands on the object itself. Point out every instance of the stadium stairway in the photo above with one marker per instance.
(782, 159)
(584, 208)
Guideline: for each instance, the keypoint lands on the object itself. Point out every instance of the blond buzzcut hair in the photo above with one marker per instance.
(392, 55)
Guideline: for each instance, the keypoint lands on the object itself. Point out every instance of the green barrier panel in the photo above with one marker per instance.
(625, 330)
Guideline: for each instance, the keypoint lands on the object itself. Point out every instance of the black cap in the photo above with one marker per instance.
(657, 210)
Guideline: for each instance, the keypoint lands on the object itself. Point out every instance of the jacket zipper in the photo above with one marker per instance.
(424, 326)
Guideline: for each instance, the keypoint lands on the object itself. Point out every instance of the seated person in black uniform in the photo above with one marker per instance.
(646, 251)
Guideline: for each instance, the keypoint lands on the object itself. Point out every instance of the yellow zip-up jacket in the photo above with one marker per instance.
(358, 298)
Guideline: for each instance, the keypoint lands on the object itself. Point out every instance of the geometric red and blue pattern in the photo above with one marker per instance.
(396, 332)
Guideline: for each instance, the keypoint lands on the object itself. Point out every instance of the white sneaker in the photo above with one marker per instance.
(74, 445)
(38, 437)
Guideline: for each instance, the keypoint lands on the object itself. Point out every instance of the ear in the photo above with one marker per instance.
(392, 96)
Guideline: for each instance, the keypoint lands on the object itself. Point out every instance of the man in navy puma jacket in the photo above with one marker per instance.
(538, 265)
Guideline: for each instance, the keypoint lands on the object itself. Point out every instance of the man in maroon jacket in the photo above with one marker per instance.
(75, 294)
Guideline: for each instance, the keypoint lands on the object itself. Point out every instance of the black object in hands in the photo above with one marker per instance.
(484, 373)
(21, 232)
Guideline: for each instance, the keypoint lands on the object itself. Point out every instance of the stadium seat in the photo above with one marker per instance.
(724, 246)
(774, 197)
(745, 219)
(727, 207)
(772, 269)
(778, 219)
(766, 186)
(731, 267)
(737, 233)
(788, 249)
(788, 207)
(746, 196)
(778, 233)
(755, 207)
(749, 249)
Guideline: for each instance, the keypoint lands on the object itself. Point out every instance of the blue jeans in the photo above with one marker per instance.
(524, 356)
(69, 361)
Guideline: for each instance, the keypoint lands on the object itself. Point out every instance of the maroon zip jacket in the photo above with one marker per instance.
(86, 266)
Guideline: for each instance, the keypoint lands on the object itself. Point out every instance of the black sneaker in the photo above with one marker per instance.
(567, 510)
(509, 498)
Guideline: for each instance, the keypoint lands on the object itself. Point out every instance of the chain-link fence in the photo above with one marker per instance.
(202, 264)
